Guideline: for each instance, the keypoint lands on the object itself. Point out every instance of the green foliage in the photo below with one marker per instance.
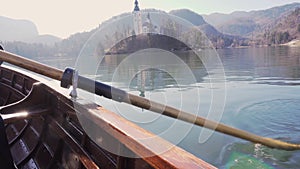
(277, 37)
(282, 37)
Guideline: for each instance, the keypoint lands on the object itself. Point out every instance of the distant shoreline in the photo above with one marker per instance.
(292, 43)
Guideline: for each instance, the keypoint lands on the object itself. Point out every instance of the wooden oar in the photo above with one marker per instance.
(122, 96)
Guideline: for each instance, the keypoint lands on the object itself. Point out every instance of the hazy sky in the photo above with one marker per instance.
(65, 17)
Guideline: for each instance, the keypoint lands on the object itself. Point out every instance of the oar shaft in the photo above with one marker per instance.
(31, 65)
(199, 121)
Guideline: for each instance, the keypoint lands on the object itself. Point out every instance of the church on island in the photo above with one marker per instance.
(143, 27)
(146, 34)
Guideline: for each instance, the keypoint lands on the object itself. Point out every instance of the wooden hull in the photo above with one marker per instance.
(50, 136)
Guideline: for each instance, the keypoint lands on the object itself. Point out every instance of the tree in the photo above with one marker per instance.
(285, 37)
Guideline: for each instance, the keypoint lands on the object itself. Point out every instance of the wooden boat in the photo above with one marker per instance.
(43, 131)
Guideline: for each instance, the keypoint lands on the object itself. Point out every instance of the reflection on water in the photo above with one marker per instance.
(110, 63)
(150, 79)
(262, 97)
(262, 65)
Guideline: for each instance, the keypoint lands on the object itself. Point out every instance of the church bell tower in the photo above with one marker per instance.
(137, 18)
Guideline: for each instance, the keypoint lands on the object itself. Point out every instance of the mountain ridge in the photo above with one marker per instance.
(282, 30)
(16, 29)
(244, 23)
(24, 31)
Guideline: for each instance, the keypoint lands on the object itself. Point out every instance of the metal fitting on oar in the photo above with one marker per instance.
(67, 78)
(73, 93)
(70, 77)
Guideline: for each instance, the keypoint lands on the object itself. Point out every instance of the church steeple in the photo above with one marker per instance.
(137, 18)
(136, 7)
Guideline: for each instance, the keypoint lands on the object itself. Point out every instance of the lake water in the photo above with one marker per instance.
(262, 97)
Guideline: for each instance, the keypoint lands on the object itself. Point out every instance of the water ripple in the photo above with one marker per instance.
(277, 119)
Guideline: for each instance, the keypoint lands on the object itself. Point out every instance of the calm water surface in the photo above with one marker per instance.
(263, 96)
